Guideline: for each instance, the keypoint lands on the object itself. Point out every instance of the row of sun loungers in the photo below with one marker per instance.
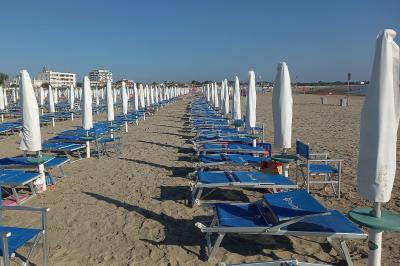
(286, 210)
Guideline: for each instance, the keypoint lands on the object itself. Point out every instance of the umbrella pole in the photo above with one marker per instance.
(87, 146)
(126, 126)
(285, 166)
(375, 240)
(72, 116)
(2, 118)
(254, 139)
(52, 122)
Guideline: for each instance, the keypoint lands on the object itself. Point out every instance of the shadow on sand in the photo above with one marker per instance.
(183, 233)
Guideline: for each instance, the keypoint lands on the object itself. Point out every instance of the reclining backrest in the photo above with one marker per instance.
(302, 149)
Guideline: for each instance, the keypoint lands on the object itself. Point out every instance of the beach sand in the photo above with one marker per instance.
(131, 209)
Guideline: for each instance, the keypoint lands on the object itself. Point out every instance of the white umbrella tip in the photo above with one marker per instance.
(389, 33)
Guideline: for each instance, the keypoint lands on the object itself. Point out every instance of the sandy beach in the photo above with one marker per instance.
(131, 209)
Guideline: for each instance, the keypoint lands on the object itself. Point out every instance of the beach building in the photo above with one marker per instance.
(55, 78)
(99, 77)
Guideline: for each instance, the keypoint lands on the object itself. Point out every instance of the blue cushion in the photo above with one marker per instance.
(239, 215)
(321, 168)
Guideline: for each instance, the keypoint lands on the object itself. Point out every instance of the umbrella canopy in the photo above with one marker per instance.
(97, 96)
(52, 109)
(282, 105)
(141, 98)
(152, 95)
(251, 101)
(226, 98)
(71, 97)
(379, 123)
(1, 99)
(41, 96)
(222, 96)
(55, 94)
(147, 90)
(30, 133)
(236, 105)
(87, 120)
(110, 102)
(124, 99)
(216, 101)
(208, 93)
(135, 97)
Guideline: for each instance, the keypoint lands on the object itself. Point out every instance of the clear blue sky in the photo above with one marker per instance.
(188, 39)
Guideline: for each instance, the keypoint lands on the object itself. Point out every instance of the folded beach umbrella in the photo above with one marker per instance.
(251, 102)
(124, 99)
(2, 103)
(97, 96)
(141, 96)
(378, 133)
(14, 97)
(282, 105)
(87, 118)
(31, 140)
(212, 94)
(52, 109)
(236, 105)
(5, 97)
(216, 100)
(208, 93)
(110, 102)
(151, 95)
(135, 97)
(226, 98)
(147, 95)
(71, 97)
(222, 96)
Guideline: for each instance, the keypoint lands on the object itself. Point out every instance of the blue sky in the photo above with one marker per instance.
(185, 40)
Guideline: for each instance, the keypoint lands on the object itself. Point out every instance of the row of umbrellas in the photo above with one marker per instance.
(378, 132)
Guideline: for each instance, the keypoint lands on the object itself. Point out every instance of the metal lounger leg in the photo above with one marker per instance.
(15, 194)
(6, 257)
(342, 250)
(213, 249)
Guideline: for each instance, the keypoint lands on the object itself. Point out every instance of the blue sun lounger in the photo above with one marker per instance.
(292, 213)
(23, 162)
(15, 238)
(230, 159)
(12, 179)
(235, 179)
(222, 139)
(229, 148)
(65, 147)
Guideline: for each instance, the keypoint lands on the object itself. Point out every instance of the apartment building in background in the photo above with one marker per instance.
(55, 78)
(99, 77)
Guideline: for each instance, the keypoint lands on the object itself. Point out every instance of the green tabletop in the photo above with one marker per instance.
(389, 221)
(284, 158)
(39, 160)
(113, 126)
(88, 138)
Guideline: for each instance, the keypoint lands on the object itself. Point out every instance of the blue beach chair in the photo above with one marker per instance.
(314, 165)
(15, 238)
(292, 213)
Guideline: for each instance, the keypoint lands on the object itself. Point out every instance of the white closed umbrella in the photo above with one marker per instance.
(226, 98)
(71, 101)
(97, 96)
(52, 108)
(31, 140)
(222, 97)
(5, 98)
(208, 93)
(135, 97)
(147, 95)
(14, 97)
(251, 102)
(110, 102)
(124, 97)
(236, 105)
(1, 103)
(216, 100)
(87, 118)
(55, 94)
(378, 134)
(141, 96)
(282, 105)
(152, 95)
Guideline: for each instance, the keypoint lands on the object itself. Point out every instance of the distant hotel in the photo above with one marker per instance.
(55, 79)
(99, 77)
(128, 83)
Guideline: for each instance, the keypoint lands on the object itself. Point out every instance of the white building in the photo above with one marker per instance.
(99, 77)
(55, 79)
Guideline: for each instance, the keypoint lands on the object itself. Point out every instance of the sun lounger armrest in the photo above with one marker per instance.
(277, 227)
(24, 208)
